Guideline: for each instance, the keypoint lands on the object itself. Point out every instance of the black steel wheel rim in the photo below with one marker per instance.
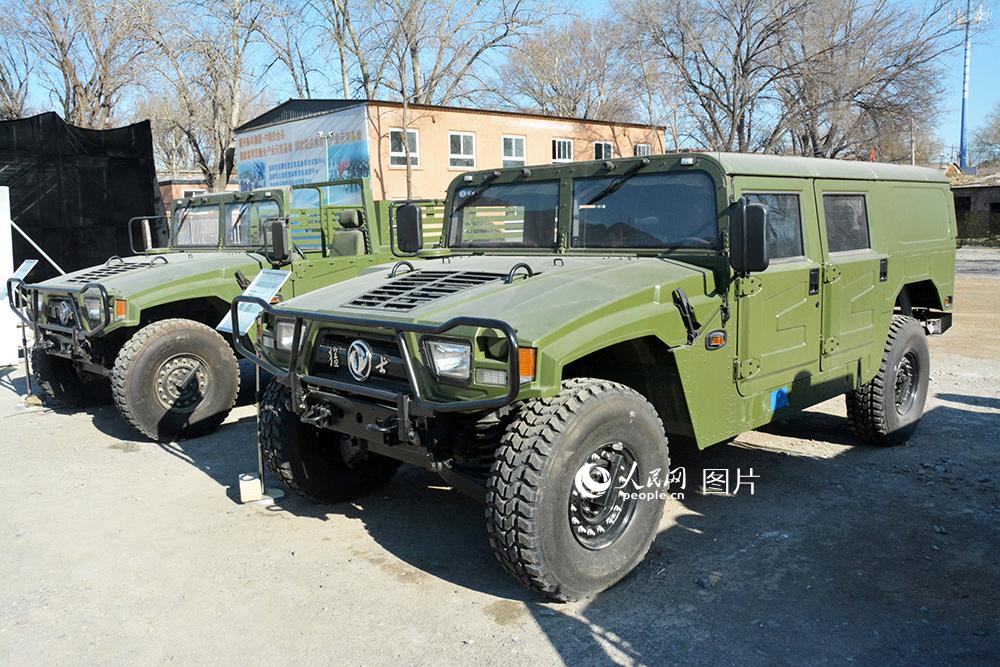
(601, 509)
(907, 378)
(182, 382)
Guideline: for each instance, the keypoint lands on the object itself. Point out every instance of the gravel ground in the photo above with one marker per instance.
(123, 551)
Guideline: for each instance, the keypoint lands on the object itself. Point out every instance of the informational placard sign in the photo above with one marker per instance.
(265, 286)
(22, 271)
(318, 148)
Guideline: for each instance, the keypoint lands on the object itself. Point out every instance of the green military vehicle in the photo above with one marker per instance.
(543, 359)
(140, 329)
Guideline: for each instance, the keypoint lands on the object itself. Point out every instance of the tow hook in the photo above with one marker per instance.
(389, 426)
(404, 431)
(317, 415)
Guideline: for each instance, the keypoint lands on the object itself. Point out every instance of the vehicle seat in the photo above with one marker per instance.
(349, 239)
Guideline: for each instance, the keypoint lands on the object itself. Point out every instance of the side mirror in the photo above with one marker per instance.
(748, 237)
(409, 228)
(277, 243)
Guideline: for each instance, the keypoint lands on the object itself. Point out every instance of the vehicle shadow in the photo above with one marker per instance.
(106, 419)
(13, 380)
(881, 555)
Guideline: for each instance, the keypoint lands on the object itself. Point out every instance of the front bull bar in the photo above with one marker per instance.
(403, 401)
(29, 295)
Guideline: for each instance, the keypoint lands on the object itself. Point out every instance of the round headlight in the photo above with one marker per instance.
(64, 312)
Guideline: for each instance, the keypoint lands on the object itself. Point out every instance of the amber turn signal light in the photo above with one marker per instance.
(528, 356)
(121, 309)
(715, 339)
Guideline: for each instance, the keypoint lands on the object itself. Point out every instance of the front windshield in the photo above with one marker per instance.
(197, 225)
(505, 215)
(655, 210)
(244, 221)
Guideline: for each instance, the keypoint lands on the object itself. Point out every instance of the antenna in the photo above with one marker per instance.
(968, 20)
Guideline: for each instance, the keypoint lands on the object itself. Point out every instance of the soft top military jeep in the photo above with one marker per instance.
(579, 313)
(141, 329)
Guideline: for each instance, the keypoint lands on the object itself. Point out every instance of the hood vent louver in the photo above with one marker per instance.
(419, 287)
(105, 272)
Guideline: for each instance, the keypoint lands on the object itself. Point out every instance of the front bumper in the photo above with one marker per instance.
(375, 417)
(27, 304)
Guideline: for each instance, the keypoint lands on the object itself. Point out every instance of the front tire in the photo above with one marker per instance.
(315, 463)
(175, 379)
(554, 539)
(59, 379)
(887, 410)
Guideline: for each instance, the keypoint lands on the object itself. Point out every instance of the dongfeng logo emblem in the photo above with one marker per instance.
(359, 360)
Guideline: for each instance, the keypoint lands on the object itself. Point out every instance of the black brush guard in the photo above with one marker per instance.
(405, 402)
(18, 290)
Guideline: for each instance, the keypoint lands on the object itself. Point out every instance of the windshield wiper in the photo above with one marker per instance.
(239, 217)
(616, 184)
(182, 216)
(477, 193)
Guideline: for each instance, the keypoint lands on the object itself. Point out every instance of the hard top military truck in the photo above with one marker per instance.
(579, 313)
(141, 328)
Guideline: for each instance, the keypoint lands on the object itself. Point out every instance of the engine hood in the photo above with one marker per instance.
(138, 275)
(563, 291)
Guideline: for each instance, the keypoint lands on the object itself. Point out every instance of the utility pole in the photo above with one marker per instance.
(325, 136)
(967, 20)
(913, 145)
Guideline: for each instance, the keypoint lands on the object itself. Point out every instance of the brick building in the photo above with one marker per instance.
(303, 141)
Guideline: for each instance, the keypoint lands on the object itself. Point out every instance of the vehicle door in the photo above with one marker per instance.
(778, 310)
(852, 271)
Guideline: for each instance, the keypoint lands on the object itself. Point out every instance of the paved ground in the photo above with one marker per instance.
(122, 551)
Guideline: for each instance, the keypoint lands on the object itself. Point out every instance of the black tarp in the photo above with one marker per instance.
(73, 190)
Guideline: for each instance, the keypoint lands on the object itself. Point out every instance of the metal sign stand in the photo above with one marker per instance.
(260, 448)
(27, 363)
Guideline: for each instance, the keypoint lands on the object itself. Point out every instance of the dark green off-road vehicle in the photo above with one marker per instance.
(141, 330)
(578, 314)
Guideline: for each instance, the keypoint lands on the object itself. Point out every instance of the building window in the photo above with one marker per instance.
(562, 150)
(603, 150)
(397, 153)
(513, 151)
(643, 149)
(461, 149)
(846, 222)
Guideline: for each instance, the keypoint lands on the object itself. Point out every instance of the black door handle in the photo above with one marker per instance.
(813, 282)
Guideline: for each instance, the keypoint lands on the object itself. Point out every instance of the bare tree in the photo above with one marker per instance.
(15, 70)
(860, 74)
(986, 142)
(363, 37)
(90, 49)
(288, 28)
(725, 54)
(204, 71)
(448, 43)
(573, 70)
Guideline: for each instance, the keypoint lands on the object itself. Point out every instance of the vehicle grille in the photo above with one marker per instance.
(387, 371)
(419, 287)
(105, 272)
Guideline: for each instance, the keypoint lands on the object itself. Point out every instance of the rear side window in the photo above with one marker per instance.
(784, 223)
(846, 222)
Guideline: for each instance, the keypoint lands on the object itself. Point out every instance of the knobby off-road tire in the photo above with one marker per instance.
(887, 410)
(315, 463)
(533, 507)
(175, 379)
(59, 379)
